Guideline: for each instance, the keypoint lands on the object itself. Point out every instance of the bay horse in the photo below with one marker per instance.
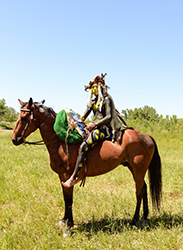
(133, 149)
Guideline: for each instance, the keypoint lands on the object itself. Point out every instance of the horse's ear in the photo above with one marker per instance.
(30, 102)
(21, 103)
(43, 101)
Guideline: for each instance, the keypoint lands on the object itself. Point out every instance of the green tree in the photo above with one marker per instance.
(10, 115)
(2, 107)
(145, 113)
(7, 114)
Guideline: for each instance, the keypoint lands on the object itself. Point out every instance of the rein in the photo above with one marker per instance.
(39, 142)
(34, 142)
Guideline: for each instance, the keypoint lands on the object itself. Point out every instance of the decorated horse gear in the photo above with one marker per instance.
(68, 128)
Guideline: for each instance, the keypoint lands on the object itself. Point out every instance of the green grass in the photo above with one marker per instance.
(31, 203)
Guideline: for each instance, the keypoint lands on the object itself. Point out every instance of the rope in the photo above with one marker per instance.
(67, 149)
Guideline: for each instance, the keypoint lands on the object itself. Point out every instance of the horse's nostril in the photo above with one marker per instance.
(17, 142)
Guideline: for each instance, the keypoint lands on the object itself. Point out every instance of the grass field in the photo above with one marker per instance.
(31, 203)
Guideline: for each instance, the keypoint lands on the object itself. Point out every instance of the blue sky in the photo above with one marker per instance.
(51, 49)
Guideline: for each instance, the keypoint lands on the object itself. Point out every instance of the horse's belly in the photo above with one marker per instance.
(101, 161)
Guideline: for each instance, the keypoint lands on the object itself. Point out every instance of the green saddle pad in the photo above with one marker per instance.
(61, 127)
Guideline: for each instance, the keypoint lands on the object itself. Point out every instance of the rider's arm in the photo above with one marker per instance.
(86, 113)
(108, 110)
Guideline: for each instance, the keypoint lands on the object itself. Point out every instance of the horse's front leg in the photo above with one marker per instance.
(68, 217)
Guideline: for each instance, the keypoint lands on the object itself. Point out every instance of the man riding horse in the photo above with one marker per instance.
(104, 125)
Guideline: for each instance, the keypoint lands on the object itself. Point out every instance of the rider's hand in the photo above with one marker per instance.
(81, 121)
(90, 126)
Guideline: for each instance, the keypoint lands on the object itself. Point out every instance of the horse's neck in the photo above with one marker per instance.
(47, 132)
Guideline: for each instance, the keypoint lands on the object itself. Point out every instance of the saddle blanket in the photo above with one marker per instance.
(67, 128)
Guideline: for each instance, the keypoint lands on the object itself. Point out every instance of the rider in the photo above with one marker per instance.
(104, 125)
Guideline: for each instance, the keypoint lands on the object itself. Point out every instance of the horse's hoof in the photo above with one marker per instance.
(67, 232)
(143, 223)
(61, 223)
(133, 223)
(65, 235)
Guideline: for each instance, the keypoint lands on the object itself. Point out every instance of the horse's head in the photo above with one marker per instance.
(26, 122)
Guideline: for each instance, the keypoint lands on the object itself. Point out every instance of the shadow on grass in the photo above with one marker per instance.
(112, 224)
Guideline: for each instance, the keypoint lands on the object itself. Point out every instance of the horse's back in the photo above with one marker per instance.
(133, 136)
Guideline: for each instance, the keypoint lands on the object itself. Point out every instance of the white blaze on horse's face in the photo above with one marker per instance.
(16, 124)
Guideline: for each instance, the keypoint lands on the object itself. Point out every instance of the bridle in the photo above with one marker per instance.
(41, 142)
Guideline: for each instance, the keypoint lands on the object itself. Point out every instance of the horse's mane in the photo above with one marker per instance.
(49, 111)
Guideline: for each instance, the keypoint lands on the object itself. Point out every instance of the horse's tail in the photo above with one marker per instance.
(155, 179)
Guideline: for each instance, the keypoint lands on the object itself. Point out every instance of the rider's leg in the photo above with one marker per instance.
(94, 136)
(81, 158)
(92, 139)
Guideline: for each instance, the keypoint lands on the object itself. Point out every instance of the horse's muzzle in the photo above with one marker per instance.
(17, 141)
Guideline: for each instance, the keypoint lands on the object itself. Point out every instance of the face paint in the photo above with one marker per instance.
(95, 89)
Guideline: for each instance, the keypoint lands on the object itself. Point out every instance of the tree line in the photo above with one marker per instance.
(148, 118)
(8, 115)
(145, 118)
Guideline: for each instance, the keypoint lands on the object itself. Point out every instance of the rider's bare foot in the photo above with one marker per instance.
(70, 182)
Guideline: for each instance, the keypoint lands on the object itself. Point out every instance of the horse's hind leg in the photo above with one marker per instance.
(140, 196)
(145, 201)
(141, 193)
(137, 210)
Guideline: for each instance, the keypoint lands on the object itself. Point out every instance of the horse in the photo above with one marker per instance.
(133, 149)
